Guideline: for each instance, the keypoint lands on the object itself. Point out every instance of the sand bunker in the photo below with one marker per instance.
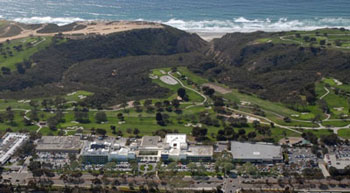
(168, 80)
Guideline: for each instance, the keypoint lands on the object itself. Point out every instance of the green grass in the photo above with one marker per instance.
(195, 78)
(332, 36)
(17, 124)
(19, 56)
(344, 133)
(193, 96)
(4, 103)
(335, 101)
(336, 123)
(266, 105)
(320, 132)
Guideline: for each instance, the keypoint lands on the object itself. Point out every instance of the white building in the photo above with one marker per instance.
(9, 144)
(103, 151)
(176, 148)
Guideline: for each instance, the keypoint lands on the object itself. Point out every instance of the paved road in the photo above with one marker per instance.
(205, 98)
(327, 92)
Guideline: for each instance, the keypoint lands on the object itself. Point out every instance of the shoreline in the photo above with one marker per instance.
(104, 27)
(209, 36)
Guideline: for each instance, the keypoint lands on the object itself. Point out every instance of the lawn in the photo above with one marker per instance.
(30, 46)
(331, 37)
(193, 96)
(344, 133)
(320, 132)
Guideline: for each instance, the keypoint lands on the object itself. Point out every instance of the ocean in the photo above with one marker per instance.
(191, 15)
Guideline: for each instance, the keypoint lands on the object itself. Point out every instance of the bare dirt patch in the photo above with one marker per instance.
(217, 88)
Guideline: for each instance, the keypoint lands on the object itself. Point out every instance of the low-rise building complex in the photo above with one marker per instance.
(59, 144)
(105, 150)
(9, 144)
(256, 152)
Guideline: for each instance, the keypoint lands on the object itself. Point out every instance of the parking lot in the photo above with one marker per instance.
(57, 160)
(302, 158)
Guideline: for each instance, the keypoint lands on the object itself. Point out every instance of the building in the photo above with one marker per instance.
(106, 150)
(339, 158)
(149, 149)
(59, 144)
(256, 152)
(146, 149)
(9, 144)
(196, 153)
(177, 148)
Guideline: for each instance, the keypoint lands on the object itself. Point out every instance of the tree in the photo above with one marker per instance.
(52, 123)
(331, 139)
(34, 115)
(208, 91)
(199, 133)
(287, 119)
(175, 103)
(159, 119)
(322, 42)
(119, 133)
(113, 129)
(251, 135)
(137, 106)
(5, 71)
(10, 115)
(136, 131)
(120, 116)
(181, 92)
(81, 116)
(20, 68)
(241, 132)
(101, 131)
(100, 117)
(129, 130)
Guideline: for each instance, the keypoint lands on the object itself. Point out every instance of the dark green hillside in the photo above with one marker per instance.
(66, 61)
(274, 71)
(125, 78)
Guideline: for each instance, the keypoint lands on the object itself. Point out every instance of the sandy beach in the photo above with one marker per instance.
(208, 36)
(92, 27)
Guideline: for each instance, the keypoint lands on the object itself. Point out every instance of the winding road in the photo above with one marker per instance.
(205, 98)
(291, 128)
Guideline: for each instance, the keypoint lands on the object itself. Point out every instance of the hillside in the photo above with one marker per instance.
(92, 63)
(280, 67)
(275, 70)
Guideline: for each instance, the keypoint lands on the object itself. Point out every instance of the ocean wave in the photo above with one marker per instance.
(242, 24)
(239, 24)
(56, 20)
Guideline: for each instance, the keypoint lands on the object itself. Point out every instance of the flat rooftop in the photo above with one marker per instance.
(200, 151)
(9, 144)
(48, 143)
(150, 141)
(255, 151)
